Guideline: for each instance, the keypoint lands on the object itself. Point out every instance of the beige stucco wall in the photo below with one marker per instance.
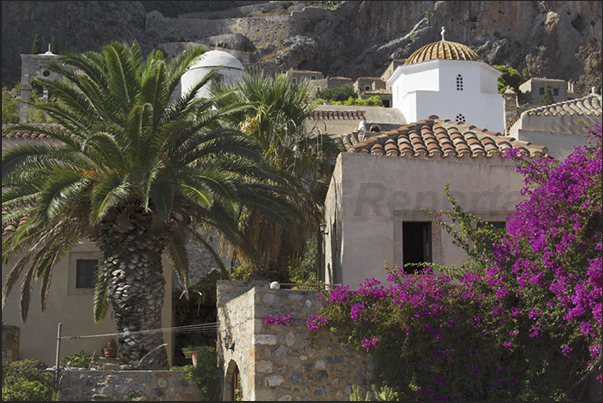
(71, 307)
(558, 133)
(559, 145)
(564, 124)
(370, 196)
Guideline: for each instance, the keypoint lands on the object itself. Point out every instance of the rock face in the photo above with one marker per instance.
(540, 38)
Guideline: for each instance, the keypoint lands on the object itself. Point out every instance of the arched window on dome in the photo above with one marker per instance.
(460, 118)
(459, 82)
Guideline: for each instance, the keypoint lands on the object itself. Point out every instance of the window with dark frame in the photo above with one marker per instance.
(416, 243)
(555, 91)
(85, 275)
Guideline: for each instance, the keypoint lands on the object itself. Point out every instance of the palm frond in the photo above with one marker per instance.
(100, 303)
(112, 189)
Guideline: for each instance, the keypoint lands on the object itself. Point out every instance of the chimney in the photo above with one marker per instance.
(510, 107)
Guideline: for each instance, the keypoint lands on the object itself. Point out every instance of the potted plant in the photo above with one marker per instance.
(111, 349)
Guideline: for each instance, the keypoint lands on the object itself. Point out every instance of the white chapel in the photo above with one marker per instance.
(448, 79)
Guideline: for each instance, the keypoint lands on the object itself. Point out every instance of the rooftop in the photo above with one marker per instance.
(437, 137)
(446, 50)
(588, 105)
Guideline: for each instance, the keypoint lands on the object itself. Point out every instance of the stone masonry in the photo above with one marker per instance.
(78, 385)
(280, 362)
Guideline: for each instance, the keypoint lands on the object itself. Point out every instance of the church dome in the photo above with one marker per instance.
(215, 58)
(445, 50)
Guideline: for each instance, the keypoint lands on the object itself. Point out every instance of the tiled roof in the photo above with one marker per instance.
(338, 115)
(306, 71)
(547, 79)
(436, 137)
(26, 134)
(378, 91)
(443, 50)
(589, 105)
(515, 120)
(12, 226)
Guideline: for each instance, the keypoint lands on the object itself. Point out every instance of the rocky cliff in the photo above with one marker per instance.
(552, 39)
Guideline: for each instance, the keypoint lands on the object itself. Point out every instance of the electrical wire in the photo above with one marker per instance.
(212, 326)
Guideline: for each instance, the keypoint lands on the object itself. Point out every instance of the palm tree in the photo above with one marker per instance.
(137, 173)
(275, 115)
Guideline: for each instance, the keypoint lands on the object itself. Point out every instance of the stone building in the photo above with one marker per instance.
(367, 87)
(33, 66)
(268, 361)
(533, 89)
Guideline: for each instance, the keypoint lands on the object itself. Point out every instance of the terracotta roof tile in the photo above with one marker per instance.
(26, 134)
(437, 137)
(589, 105)
(338, 115)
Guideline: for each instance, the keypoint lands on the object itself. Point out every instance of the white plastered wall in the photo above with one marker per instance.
(430, 88)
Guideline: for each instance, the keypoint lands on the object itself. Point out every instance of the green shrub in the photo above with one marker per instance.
(77, 360)
(286, 4)
(24, 390)
(10, 107)
(337, 93)
(242, 273)
(205, 375)
(303, 269)
(26, 380)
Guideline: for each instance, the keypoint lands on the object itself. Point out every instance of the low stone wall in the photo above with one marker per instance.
(89, 385)
(10, 343)
(281, 362)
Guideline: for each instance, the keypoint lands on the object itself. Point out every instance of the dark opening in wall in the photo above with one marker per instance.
(416, 243)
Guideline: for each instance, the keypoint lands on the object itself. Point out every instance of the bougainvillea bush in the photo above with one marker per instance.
(520, 321)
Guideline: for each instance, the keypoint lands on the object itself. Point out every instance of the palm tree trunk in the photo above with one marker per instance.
(136, 288)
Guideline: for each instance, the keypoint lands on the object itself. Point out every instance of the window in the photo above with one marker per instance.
(416, 243)
(85, 275)
(541, 91)
(459, 82)
(460, 118)
(555, 91)
(367, 88)
(312, 77)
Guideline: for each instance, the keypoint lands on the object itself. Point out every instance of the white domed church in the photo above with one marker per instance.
(448, 79)
(231, 71)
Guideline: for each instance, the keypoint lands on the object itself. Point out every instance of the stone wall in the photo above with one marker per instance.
(77, 385)
(10, 343)
(280, 362)
(260, 30)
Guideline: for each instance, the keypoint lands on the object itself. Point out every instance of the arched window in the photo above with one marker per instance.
(460, 118)
(459, 82)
